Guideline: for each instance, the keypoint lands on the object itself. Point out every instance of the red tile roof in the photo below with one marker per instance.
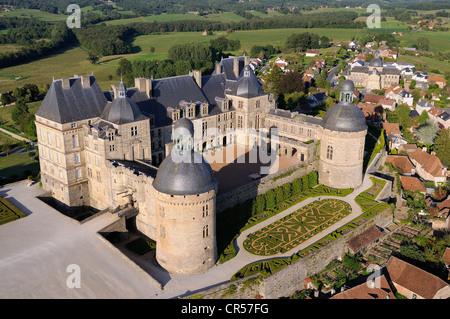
(411, 183)
(373, 98)
(392, 128)
(413, 278)
(401, 162)
(364, 239)
(430, 163)
(365, 291)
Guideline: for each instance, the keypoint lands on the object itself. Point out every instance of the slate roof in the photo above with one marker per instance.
(65, 105)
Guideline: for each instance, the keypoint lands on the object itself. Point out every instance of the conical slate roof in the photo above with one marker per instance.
(248, 85)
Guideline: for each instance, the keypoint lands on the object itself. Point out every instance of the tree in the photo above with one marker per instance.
(93, 57)
(427, 132)
(125, 67)
(423, 43)
(5, 99)
(291, 82)
(272, 81)
(19, 108)
(442, 145)
(412, 85)
(423, 117)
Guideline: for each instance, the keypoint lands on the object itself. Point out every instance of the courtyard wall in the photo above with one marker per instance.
(262, 185)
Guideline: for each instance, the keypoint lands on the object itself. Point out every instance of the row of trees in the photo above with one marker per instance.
(303, 41)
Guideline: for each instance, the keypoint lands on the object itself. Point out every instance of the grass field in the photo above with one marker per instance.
(29, 13)
(73, 60)
(17, 164)
(439, 40)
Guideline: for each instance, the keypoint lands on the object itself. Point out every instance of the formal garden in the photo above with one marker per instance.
(369, 207)
(9, 212)
(295, 228)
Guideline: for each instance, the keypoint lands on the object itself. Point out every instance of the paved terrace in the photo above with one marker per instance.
(35, 252)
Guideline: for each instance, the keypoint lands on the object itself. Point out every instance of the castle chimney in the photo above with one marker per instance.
(66, 83)
(115, 91)
(197, 77)
(218, 68)
(139, 83)
(247, 60)
(86, 81)
(236, 67)
(148, 87)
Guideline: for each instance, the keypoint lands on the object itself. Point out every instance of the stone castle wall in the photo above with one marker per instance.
(260, 186)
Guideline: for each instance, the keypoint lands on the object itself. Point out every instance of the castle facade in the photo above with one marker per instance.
(122, 148)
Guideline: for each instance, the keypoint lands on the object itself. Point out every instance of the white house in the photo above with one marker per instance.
(423, 105)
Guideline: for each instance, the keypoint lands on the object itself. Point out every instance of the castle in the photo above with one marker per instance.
(374, 76)
(142, 147)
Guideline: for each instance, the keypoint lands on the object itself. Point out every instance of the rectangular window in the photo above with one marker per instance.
(59, 158)
(57, 141)
(111, 148)
(49, 138)
(240, 122)
(162, 231)
(240, 104)
(134, 130)
(77, 158)
(78, 173)
(99, 177)
(73, 125)
(89, 172)
(75, 140)
(111, 136)
(258, 104)
(205, 210)
(161, 211)
(50, 153)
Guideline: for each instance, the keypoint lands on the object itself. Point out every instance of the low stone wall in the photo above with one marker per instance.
(291, 278)
(286, 281)
(260, 186)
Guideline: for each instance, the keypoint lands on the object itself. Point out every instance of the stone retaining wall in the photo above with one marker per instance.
(260, 186)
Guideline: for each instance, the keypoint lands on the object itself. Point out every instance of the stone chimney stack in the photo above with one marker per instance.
(218, 68)
(197, 75)
(115, 91)
(247, 60)
(66, 83)
(236, 67)
(86, 81)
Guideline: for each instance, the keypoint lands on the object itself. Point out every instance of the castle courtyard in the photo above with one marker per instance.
(233, 166)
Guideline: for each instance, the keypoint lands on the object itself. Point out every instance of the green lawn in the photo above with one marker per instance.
(18, 164)
(439, 40)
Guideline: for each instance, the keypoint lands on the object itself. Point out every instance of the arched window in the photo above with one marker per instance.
(205, 231)
(330, 152)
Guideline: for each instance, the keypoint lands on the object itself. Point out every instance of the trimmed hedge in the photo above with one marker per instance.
(9, 212)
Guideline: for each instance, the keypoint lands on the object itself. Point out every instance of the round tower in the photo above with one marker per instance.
(343, 135)
(185, 201)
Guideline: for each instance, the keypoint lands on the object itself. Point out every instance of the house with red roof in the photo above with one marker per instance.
(428, 166)
(415, 283)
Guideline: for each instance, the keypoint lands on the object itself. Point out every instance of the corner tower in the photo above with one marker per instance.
(343, 135)
(185, 201)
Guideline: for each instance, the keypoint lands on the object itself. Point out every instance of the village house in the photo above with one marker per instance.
(436, 80)
(415, 283)
(402, 163)
(377, 288)
(428, 166)
(413, 184)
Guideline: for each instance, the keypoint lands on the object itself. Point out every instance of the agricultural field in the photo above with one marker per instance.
(439, 40)
(290, 231)
(35, 13)
(9, 212)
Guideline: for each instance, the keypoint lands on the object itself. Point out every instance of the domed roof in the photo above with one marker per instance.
(248, 85)
(184, 124)
(344, 117)
(122, 109)
(184, 177)
(376, 62)
(347, 85)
